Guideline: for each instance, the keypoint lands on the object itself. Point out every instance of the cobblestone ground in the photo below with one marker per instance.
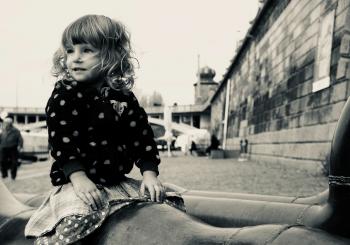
(202, 173)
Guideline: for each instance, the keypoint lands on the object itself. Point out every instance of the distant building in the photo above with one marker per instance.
(197, 115)
(23, 115)
(205, 87)
(287, 82)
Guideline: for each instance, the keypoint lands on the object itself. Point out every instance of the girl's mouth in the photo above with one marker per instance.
(78, 69)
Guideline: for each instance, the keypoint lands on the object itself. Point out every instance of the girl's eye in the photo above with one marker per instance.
(87, 50)
(69, 51)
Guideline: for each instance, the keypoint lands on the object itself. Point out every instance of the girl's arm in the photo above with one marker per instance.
(144, 149)
(63, 112)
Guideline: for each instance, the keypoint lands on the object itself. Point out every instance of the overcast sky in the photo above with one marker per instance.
(167, 37)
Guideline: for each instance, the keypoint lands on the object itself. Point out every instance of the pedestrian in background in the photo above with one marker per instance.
(11, 143)
(97, 132)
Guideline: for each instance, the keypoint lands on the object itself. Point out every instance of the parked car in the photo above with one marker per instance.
(200, 138)
(35, 142)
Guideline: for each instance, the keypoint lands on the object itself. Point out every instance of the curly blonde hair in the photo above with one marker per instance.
(112, 40)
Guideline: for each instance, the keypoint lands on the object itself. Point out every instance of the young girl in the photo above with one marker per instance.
(97, 131)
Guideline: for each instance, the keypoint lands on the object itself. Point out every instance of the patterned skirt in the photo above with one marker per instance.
(64, 218)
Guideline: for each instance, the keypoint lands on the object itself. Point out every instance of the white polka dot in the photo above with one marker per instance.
(96, 226)
(88, 231)
(63, 122)
(92, 143)
(58, 179)
(120, 168)
(65, 229)
(58, 153)
(157, 156)
(57, 243)
(103, 213)
(72, 158)
(102, 180)
(148, 148)
(61, 237)
(87, 106)
(48, 108)
(144, 132)
(67, 240)
(74, 112)
(68, 87)
(65, 139)
(136, 143)
(117, 118)
(132, 124)
(120, 148)
(104, 142)
(94, 163)
(83, 154)
(75, 133)
(80, 95)
(74, 83)
(58, 86)
(106, 162)
(101, 115)
(62, 102)
(55, 96)
(69, 222)
(52, 114)
(130, 112)
(85, 221)
(96, 98)
(90, 128)
(76, 225)
(92, 171)
(78, 236)
(53, 133)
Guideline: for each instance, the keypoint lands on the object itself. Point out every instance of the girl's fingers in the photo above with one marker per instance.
(91, 200)
(83, 198)
(158, 193)
(97, 198)
(151, 192)
(142, 189)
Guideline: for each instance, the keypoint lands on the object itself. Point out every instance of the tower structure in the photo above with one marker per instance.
(205, 86)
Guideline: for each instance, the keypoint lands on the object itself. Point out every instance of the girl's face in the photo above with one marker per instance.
(83, 62)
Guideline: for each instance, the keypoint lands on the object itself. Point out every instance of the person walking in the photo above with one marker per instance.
(11, 143)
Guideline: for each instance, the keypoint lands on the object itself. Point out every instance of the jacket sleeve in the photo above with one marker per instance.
(141, 138)
(63, 113)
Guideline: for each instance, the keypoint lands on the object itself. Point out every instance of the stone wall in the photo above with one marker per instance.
(287, 91)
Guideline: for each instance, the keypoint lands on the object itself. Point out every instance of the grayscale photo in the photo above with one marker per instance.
(181, 122)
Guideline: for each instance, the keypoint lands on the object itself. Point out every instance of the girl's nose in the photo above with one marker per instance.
(77, 56)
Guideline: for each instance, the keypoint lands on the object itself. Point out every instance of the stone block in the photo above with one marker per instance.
(341, 20)
(342, 5)
(345, 45)
(316, 13)
(216, 154)
(338, 92)
(343, 69)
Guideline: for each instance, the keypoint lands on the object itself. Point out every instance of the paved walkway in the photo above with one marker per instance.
(202, 173)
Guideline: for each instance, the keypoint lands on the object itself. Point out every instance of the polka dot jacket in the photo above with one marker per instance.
(100, 132)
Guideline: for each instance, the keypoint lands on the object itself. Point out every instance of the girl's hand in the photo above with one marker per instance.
(86, 190)
(153, 185)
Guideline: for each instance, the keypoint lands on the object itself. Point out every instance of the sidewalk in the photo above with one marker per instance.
(202, 173)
